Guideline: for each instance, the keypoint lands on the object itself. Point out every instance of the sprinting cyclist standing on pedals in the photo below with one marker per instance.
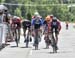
(55, 29)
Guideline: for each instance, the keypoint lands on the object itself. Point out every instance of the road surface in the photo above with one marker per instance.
(66, 46)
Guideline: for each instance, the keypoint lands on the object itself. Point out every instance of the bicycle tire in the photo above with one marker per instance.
(53, 44)
(16, 33)
(27, 42)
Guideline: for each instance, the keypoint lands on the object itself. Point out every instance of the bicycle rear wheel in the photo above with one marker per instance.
(17, 37)
(27, 41)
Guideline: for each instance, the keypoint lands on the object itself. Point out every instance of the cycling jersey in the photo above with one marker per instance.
(26, 24)
(17, 21)
(55, 26)
(37, 23)
(47, 26)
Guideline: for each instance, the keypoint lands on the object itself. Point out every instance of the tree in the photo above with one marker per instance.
(60, 11)
(29, 16)
(17, 12)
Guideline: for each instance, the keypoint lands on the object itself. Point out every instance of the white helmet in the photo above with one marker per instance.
(15, 17)
(36, 14)
(18, 17)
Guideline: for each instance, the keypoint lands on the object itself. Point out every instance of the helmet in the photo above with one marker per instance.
(36, 14)
(37, 17)
(18, 17)
(51, 16)
(54, 18)
(9, 16)
(15, 17)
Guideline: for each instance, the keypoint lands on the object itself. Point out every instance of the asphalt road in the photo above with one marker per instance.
(66, 46)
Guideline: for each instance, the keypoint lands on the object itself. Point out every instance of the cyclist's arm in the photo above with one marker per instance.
(59, 26)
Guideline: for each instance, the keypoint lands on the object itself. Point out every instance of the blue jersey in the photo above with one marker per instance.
(33, 22)
(36, 23)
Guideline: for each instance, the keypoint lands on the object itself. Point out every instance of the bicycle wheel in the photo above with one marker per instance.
(16, 38)
(18, 35)
(53, 43)
(36, 43)
(27, 41)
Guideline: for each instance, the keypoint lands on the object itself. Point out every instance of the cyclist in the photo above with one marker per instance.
(16, 25)
(36, 28)
(55, 28)
(47, 31)
(26, 24)
(67, 25)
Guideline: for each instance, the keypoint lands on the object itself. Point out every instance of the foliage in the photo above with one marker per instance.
(60, 11)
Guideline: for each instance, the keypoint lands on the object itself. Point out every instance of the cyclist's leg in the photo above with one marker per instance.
(39, 36)
(47, 41)
(24, 30)
(36, 38)
(49, 36)
(52, 36)
(30, 38)
(15, 33)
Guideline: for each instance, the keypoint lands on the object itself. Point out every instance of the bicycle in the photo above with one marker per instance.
(67, 26)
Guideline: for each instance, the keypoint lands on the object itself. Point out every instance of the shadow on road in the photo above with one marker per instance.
(3, 46)
(35, 50)
(25, 47)
(13, 46)
(64, 52)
